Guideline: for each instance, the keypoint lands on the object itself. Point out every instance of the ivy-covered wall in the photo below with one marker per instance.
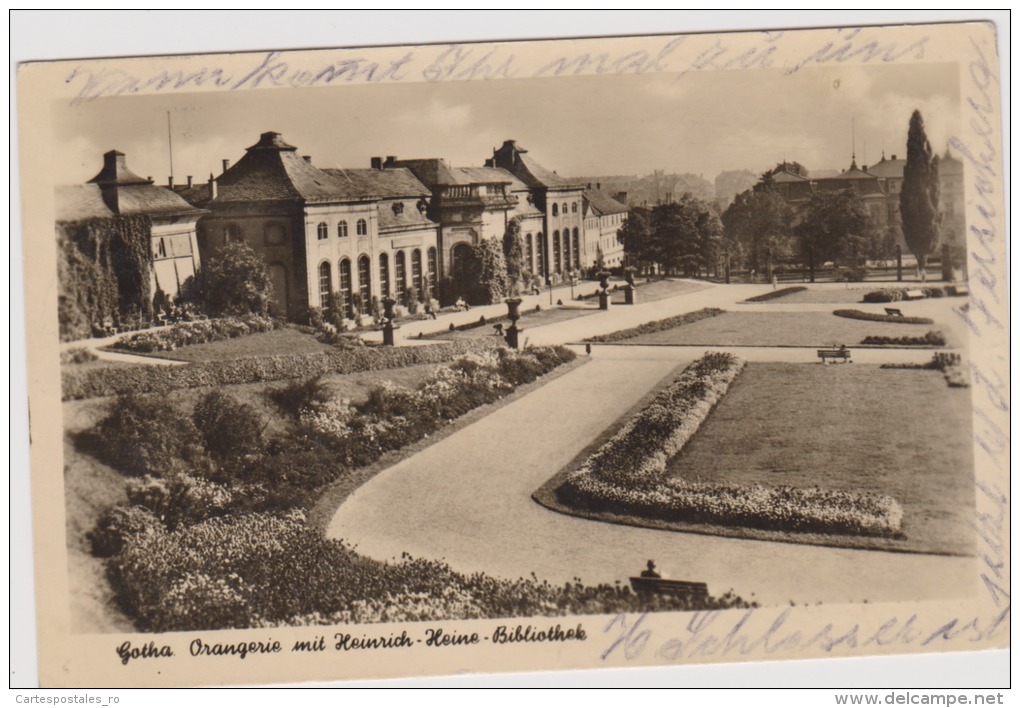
(104, 272)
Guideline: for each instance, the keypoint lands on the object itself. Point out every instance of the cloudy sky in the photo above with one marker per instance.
(701, 122)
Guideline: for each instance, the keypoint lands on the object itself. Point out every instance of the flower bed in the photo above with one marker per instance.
(112, 381)
(266, 570)
(627, 475)
(876, 317)
(77, 355)
(931, 339)
(951, 366)
(897, 294)
(182, 334)
(657, 325)
(773, 294)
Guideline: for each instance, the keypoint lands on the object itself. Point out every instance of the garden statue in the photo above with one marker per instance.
(513, 305)
(603, 277)
(387, 321)
(629, 292)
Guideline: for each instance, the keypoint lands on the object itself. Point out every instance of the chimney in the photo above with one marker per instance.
(894, 157)
(391, 160)
(489, 162)
(149, 178)
(226, 164)
(212, 186)
(308, 158)
(864, 168)
(598, 186)
(170, 182)
(376, 163)
(191, 182)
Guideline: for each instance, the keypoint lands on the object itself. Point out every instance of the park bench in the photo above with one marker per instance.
(893, 312)
(662, 586)
(913, 294)
(843, 354)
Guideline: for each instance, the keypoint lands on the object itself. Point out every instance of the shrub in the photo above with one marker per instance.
(180, 498)
(233, 431)
(876, 317)
(119, 525)
(884, 295)
(146, 436)
(658, 325)
(295, 396)
(114, 380)
(931, 339)
(773, 294)
(235, 281)
(77, 355)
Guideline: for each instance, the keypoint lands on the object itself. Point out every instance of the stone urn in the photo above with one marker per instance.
(388, 327)
(513, 307)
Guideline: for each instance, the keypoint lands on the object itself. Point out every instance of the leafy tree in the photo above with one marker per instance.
(487, 278)
(756, 222)
(836, 227)
(233, 282)
(513, 251)
(686, 235)
(636, 237)
(919, 199)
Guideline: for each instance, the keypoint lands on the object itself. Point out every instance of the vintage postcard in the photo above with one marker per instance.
(406, 361)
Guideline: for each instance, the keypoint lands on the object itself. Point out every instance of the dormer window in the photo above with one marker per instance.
(398, 208)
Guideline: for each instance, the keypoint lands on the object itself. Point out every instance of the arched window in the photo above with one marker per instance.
(416, 273)
(365, 283)
(565, 212)
(567, 260)
(384, 274)
(323, 231)
(401, 273)
(556, 252)
(345, 286)
(543, 244)
(577, 248)
(555, 210)
(531, 251)
(573, 208)
(433, 271)
(341, 229)
(325, 283)
(362, 227)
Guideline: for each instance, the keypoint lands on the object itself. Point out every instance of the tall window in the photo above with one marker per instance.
(325, 283)
(323, 231)
(401, 273)
(365, 282)
(362, 227)
(564, 208)
(556, 252)
(345, 286)
(433, 271)
(567, 260)
(531, 251)
(459, 257)
(555, 210)
(341, 230)
(416, 280)
(577, 248)
(543, 242)
(573, 208)
(384, 274)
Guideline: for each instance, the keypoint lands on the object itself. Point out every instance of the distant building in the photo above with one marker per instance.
(730, 183)
(603, 217)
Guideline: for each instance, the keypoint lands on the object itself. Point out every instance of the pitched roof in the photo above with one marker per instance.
(271, 170)
(784, 176)
(487, 175)
(887, 168)
(540, 176)
(78, 202)
(602, 204)
(389, 183)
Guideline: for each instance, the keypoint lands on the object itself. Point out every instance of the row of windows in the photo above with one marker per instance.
(424, 281)
(566, 251)
(556, 209)
(360, 226)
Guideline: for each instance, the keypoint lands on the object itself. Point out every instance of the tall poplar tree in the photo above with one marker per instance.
(919, 199)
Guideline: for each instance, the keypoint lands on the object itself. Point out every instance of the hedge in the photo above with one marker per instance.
(931, 339)
(773, 294)
(897, 294)
(876, 317)
(112, 381)
(658, 325)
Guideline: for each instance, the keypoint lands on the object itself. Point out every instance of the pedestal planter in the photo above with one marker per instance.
(513, 305)
(388, 327)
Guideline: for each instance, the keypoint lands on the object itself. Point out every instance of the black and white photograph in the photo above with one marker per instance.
(399, 361)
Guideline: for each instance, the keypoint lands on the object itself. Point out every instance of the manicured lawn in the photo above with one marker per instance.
(658, 290)
(529, 320)
(824, 296)
(795, 329)
(898, 432)
(285, 340)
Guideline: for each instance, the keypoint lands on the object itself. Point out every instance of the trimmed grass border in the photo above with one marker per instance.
(876, 317)
(773, 294)
(657, 325)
